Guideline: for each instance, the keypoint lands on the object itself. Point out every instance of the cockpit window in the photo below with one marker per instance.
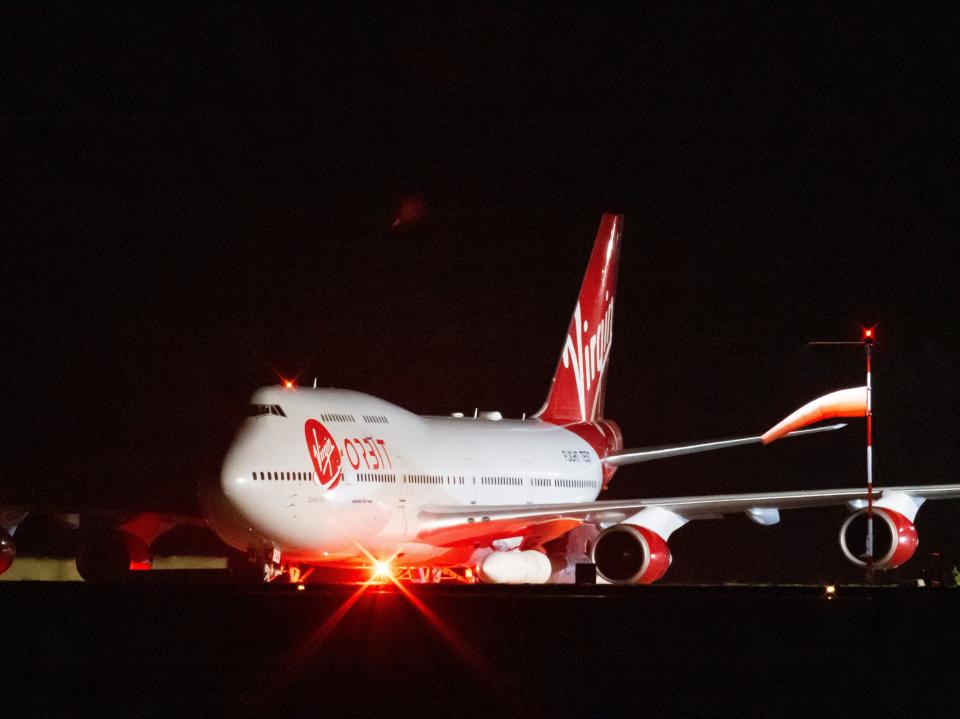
(256, 410)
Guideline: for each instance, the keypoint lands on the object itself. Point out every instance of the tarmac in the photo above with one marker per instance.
(204, 648)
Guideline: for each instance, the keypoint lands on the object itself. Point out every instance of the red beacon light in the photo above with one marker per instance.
(288, 383)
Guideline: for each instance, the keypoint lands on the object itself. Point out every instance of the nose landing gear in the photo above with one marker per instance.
(259, 565)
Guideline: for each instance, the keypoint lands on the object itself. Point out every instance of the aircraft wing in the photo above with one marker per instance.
(455, 525)
(632, 456)
(146, 526)
(25, 508)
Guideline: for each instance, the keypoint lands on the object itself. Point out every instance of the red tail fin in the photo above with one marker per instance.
(576, 394)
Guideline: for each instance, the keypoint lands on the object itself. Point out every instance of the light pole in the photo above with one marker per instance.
(867, 342)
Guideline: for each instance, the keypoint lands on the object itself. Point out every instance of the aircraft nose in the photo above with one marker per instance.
(233, 480)
(225, 500)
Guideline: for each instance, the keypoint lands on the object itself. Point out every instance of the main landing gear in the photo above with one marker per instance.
(267, 566)
(435, 575)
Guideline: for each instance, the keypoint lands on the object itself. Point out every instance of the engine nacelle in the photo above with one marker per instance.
(895, 537)
(110, 556)
(629, 554)
(8, 550)
(516, 567)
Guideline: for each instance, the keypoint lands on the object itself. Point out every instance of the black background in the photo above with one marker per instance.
(198, 203)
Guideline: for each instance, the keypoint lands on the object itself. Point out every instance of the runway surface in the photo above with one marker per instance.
(209, 649)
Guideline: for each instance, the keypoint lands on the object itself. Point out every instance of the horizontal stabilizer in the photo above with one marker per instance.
(632, 456)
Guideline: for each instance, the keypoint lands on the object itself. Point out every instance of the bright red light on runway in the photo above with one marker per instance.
(382, 570)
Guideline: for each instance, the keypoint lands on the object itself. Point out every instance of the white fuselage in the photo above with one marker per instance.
(336, 475)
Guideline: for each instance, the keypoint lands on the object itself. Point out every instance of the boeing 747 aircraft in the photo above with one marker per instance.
(338, 478)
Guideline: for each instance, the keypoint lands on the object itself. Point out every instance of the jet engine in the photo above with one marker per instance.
(894, 537)
(109, 555)
(8, 550)
(630, 554)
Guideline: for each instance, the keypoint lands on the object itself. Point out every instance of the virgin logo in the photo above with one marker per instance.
(587, 355)
(324, 453)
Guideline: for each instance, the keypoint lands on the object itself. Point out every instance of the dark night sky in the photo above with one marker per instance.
(195, 203)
